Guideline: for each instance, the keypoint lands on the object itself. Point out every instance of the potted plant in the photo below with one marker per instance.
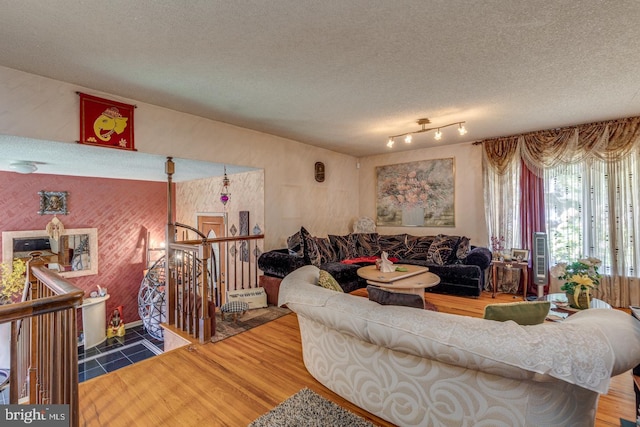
(580, 278)
(12, 282)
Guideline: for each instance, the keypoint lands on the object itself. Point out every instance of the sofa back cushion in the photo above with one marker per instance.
(418, 247)
(344, 246)
(395, 245)
(367, 244)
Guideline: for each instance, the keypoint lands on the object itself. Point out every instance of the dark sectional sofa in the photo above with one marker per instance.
(462, 268)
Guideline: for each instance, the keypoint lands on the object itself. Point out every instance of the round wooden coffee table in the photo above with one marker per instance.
(412, 281)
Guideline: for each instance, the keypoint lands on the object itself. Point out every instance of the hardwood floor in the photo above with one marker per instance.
(234, 381)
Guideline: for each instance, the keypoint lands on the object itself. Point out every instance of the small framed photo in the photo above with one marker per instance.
(53, 202)
(520, 255)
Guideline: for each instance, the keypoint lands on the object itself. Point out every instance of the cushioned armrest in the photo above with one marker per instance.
(279, 262)
(479, 256)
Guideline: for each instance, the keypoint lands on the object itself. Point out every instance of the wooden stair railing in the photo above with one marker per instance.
(192, 284)
(44, 354)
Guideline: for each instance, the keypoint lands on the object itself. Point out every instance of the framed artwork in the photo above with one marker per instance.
(106, 123)
(53, 202)
(416, 194)
(520, 255)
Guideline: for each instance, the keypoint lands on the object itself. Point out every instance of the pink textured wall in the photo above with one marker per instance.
(122, 211)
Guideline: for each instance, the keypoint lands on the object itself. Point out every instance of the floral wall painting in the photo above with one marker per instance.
(416, 194)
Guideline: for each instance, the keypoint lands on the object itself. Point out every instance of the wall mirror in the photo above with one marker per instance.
(74, 254)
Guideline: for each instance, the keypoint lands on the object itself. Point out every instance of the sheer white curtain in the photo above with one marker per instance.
(502, 201)
(592, 210)
(592, 190)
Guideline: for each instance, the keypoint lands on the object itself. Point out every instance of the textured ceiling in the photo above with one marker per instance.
(344, 74)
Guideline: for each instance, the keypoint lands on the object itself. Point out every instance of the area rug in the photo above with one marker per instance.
(252, 318)
(307, 408)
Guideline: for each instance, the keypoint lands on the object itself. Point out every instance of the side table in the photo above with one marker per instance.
(523, 266)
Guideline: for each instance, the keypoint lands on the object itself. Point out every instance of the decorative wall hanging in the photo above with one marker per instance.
(416, 194)
(55, 228)
(225, 195)
(319, 171)
(244, 223)
(106, 123)
(53, 202)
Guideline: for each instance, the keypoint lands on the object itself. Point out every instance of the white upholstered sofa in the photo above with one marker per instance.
(420, 367)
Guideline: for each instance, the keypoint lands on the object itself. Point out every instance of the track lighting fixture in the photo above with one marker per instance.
(408, 137)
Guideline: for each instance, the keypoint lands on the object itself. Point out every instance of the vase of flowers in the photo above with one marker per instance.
(580, 279)
(497, 247)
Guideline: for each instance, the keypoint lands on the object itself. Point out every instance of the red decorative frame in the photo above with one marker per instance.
(106, 123)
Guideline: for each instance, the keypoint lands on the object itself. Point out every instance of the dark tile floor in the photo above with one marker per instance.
(117, 352)
(114, 353)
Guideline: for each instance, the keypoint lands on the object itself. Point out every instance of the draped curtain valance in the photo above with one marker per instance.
(606, 141)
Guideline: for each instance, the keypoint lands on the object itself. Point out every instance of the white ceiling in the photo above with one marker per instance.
(61, 158)
(344, 74)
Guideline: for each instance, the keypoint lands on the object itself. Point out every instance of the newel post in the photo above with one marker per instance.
(170, 235)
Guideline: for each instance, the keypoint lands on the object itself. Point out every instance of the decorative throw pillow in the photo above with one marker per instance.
(395, 245)
(418, 247)
(294, 244)
(327, 281)
(367, 244)
(345, 246)
(310, 248)
(464, 247)
(385, 297)
(523, 312)
(442, 249)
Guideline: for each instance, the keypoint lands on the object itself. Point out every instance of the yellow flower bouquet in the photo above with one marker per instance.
(11, 280)
(580, 278)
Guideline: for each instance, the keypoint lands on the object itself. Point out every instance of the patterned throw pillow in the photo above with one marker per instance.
(325, 249)
(395, 245)
(294, 244)
(310, 248)
(418, 247)
(464, 247)
(367, 244)
(345, 246)
(327, 281)
(442, 249)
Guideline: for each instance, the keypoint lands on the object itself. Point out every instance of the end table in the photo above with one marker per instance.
(523, 266)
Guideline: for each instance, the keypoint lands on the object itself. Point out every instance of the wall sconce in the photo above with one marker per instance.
(408, 137)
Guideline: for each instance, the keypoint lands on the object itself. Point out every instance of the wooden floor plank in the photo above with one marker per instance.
(234, 381)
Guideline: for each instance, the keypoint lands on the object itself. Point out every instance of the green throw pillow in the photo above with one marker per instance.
(326, 280)
(523, 313)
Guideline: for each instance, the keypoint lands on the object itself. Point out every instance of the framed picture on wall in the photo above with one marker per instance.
(416, 194)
